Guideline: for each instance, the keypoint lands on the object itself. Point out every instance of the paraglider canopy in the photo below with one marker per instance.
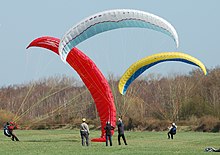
(141, 65)
(110, 20)
(91, 76)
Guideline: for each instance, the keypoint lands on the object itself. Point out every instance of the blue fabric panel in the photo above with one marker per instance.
(142, 69)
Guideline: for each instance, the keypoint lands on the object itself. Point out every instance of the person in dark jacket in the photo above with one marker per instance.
(121, 132)
(108, 133)
(172, 130)
(8, 131)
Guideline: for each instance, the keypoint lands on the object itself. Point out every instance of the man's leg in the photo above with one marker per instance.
(168, 135)
(12, 137)
(171, 135)
(16, 138)
(110, 139)
(123, 137)
(217, 150)
(87, 139)
(82, 138)
(106, 140)
(119, 142)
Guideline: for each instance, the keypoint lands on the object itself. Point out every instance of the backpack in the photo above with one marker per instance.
(173, 130)
(6, 131)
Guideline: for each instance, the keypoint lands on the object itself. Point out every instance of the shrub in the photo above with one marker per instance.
(157, 125)
(216, 128)
(5, 116)
(208, 124)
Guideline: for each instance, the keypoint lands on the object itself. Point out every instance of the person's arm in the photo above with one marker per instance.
(87, 128)
(119, 124)
(81, 127)
(170, 128)
(10, 128)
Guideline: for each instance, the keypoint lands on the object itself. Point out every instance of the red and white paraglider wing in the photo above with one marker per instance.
(91, 76)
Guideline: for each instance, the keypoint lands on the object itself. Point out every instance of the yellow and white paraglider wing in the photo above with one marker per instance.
(110, 20)
(140, 66)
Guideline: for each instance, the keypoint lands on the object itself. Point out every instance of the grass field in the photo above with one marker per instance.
(57, 142)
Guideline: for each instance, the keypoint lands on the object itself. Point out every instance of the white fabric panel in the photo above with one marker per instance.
(113, 15)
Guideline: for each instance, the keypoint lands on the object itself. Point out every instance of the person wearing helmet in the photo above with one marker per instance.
(8, 131)
(84, 132)
(108, 133)
(172, 130)
(121, 131)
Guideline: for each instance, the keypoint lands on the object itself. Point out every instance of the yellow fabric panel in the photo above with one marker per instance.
(154, 58)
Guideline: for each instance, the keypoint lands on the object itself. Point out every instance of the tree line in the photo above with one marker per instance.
(192, 98)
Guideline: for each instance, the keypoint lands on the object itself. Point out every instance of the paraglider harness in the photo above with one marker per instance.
(173, 130)
(7, 131)
(211, 149)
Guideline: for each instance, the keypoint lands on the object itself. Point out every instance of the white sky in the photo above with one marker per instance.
(197, 23)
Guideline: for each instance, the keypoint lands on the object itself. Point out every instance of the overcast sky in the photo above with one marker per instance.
(197, 23)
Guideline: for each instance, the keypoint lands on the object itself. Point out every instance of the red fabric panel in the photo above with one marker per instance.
(91, 76)
(49, 43)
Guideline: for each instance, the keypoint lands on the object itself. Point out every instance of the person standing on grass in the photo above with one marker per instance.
(108, 133)
(121, 132)
(84, 132)
(172, 130)
(8, 130)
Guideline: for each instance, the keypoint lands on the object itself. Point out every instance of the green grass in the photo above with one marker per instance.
(57, 142)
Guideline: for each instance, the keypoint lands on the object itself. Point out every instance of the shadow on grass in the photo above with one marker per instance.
(50, 140)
